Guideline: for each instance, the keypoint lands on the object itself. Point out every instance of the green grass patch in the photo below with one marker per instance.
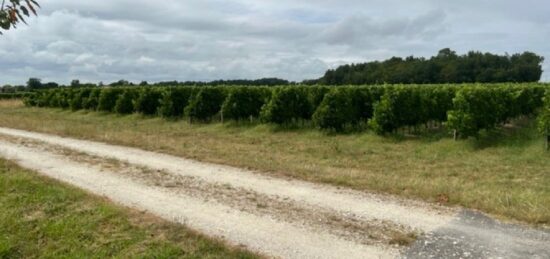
(42, 218)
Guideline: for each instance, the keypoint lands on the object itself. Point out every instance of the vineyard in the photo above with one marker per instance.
(465, 110)
(9, 96)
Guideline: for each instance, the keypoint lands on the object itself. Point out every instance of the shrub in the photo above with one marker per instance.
(148, 101)
(55, 98)
(544, 116)
(125, 102)
(340, 107)
(31, 99)
(44, 98)
(107, 99)
(77, 101)
(91, 102)
(436, 102)
(398, 107)
(316, 94)
(174, 100)
(64, 98)
(477, 108)
(365, 97)
(286, 105)
(206, 103)
(9, 96)
(525, 99)
(244, 102)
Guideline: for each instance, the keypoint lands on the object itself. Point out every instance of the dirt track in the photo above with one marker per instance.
(276, 217)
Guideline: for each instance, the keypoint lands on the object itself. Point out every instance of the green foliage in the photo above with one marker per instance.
(337, 110)
(107, 99)
(286, 105)
(206, 103)
(477, 108)
(436, 102)
(525, 99)
(316, 94)
(64, 98)
(410, 106)
(31, 99)
(43, 99)
(174, 100)
(467, 109)
(544, 116)
(148, 101)
(77, 101)
(13, 12)
(8, 96)
(445, 67)
(34, 83)
(398, 107)
(346, 106)
(245, 102)
(91, 102)
(125, 102)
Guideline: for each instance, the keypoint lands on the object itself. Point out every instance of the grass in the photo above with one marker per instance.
(505, 173)
(42, 218)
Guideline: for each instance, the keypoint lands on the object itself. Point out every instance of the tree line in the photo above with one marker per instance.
(445, 67)
(36, 84)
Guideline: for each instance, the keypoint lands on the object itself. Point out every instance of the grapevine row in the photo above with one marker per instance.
(465, 109)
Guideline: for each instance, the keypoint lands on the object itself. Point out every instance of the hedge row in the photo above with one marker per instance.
(10, 96)
(467, 109)
(410, 106)
(477, 108)
(544, 119)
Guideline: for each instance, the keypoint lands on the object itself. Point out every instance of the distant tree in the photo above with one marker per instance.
(75, 83)
(12, 12)
(143, 83)
(445, 67)
(7, 89)
(50, 85)
(34, 84)
(245, 82)
(121, 82)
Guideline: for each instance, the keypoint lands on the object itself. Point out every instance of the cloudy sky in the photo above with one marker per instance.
(108, 40)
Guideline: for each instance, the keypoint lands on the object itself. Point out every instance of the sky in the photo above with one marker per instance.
(203, 40)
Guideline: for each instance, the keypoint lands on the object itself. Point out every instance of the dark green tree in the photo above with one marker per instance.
(34, 84)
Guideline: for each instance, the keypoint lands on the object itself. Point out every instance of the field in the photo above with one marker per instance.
(503, 171)
(42, 218)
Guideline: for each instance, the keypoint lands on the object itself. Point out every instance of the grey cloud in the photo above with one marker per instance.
(206, 40)
(363, 30)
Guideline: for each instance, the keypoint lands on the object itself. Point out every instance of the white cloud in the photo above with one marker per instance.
(214, 39)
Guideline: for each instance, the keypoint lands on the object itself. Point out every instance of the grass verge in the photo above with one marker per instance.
(42, 218)
(505, 173)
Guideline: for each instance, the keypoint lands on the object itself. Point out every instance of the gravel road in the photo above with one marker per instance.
(275, 217)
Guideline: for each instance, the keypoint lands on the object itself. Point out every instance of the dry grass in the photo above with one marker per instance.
(506, 173)
(10, 103)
